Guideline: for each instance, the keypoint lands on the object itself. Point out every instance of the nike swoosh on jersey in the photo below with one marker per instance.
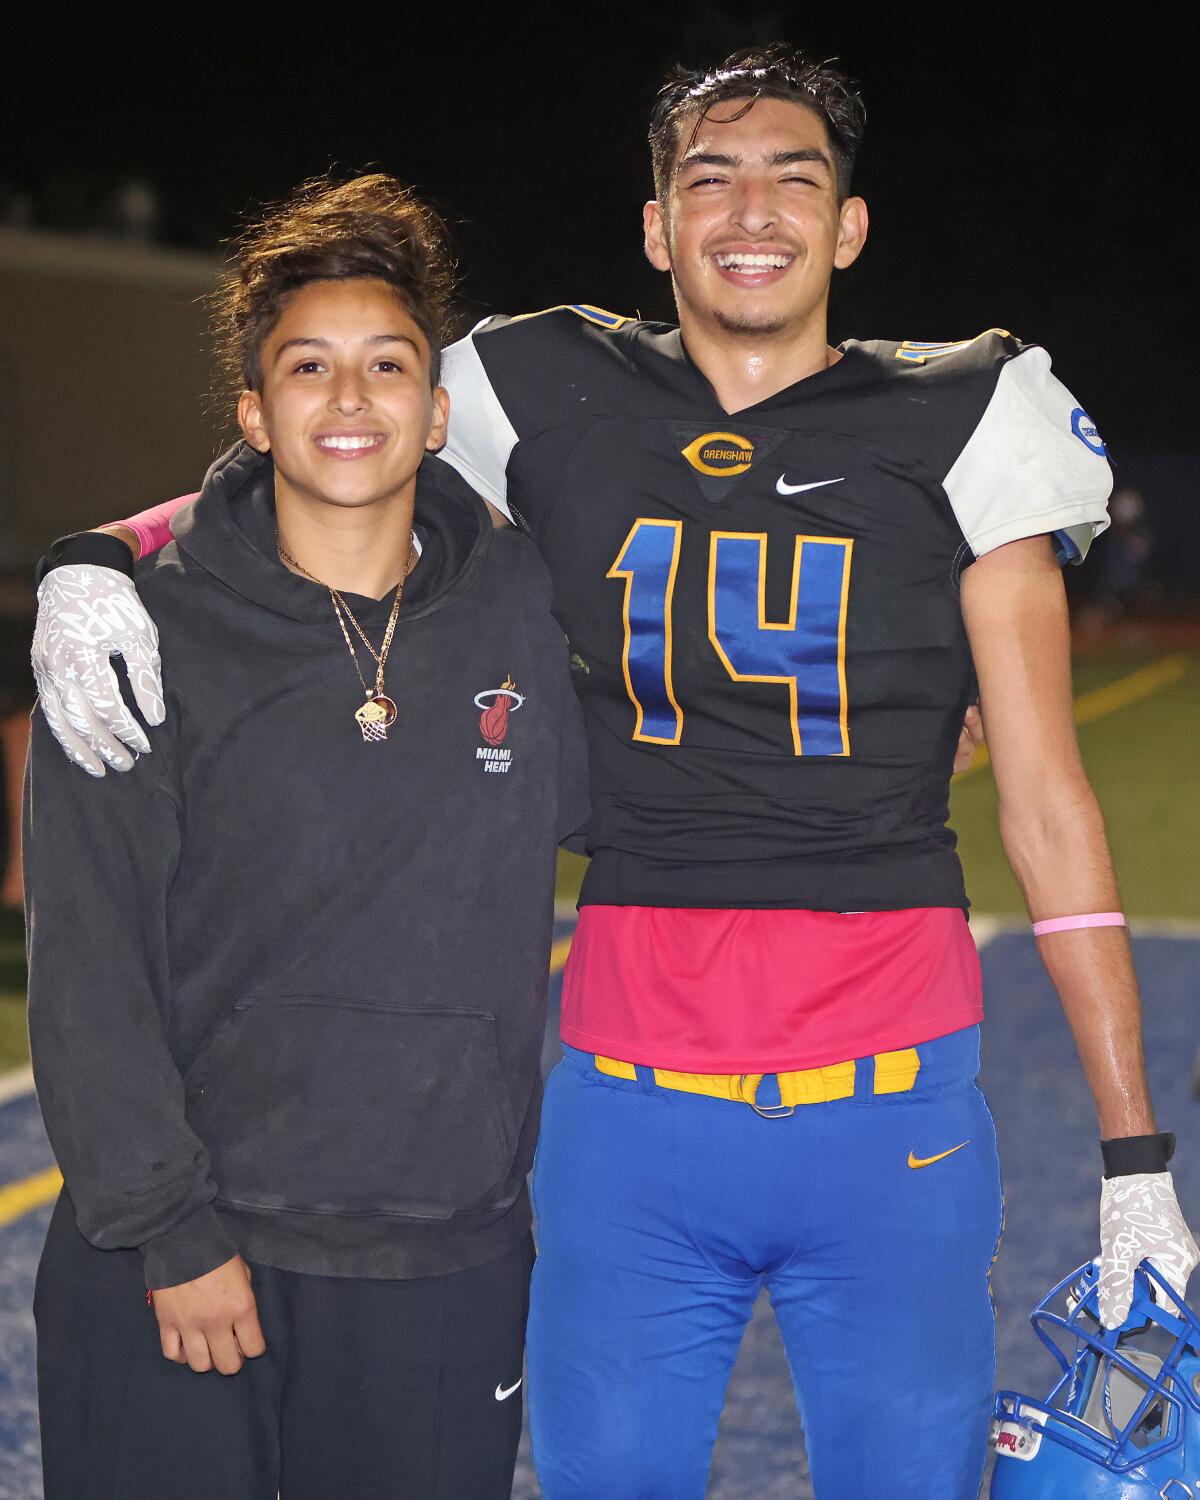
(794, 489)
(927, 1161)
(502, 1394)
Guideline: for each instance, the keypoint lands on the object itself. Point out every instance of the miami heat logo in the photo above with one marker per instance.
(497, 704)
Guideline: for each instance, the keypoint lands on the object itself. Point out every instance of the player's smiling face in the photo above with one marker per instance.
(752, 228)
(345, 405)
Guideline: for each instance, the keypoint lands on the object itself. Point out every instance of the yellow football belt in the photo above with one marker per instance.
(895, 1073)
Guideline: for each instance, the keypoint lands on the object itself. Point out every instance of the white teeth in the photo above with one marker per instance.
(346, 444)
(754, 262)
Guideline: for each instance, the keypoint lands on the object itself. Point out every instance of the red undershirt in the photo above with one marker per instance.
(765, 991)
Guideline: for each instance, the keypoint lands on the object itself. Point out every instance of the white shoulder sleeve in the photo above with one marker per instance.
(480, 435)
(1034, 464)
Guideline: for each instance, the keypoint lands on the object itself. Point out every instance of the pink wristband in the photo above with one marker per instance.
(153, 527)
(1069, 924)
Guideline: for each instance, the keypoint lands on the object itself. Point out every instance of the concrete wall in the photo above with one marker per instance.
(104, 382)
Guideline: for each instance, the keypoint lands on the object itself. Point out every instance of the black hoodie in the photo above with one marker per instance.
(287, 989)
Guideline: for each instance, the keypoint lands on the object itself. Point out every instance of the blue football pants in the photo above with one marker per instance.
(872, 1221)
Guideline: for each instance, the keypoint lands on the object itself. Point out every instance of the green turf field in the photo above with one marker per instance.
(1142, 761)
(14, 1047)
(1141, 757)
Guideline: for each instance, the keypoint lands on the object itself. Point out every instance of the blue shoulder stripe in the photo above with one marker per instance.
(916, 351)
(597, 315)
(585, 310)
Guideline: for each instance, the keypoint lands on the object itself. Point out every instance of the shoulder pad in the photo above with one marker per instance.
(584, 310)
(915, 352)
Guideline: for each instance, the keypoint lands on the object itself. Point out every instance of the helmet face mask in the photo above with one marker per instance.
(1123, 1419)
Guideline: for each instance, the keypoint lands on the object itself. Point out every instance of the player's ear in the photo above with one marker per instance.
(657, 251)
(852, 232)
(436, 440)
(250, 420)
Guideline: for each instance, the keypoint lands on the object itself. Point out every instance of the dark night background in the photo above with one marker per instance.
(1027, 166)
(1032, 166)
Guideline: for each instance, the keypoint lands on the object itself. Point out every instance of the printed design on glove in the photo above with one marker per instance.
(1140, 1218)
(86, 615)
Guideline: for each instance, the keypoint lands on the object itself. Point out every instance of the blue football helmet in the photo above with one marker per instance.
(1123, 1420)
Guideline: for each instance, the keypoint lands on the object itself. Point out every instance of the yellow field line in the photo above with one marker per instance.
(1126, 690)
(558, 955)
(1108, 699)
(31, 1192)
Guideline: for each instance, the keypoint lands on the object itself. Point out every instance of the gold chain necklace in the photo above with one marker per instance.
(378, 713)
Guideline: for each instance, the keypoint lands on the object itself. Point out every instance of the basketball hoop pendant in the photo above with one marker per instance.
(376, 715)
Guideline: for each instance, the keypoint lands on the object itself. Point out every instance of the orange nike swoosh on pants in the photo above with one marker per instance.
(926, 1161)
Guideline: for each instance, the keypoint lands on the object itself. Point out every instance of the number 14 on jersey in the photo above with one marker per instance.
(805, 652)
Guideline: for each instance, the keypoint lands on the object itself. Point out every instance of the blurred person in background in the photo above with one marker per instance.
(1127, 585)
(1127, 552)
(1122, 586)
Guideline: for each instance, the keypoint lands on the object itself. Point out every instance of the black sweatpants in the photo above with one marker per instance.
(369, 1390)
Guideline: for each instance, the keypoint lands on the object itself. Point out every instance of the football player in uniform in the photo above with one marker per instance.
(782, 568)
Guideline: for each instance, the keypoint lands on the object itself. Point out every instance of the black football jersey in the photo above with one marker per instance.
(763, 608)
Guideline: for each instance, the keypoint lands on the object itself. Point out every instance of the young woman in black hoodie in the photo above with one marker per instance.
(296, 1113)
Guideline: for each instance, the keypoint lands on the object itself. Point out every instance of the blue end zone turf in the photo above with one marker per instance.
(1047, 1126)
(1052, 1176)
(20, 1463)
(23, 1151)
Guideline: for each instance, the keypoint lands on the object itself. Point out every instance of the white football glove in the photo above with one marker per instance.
(87, 614)
(1140, 1219)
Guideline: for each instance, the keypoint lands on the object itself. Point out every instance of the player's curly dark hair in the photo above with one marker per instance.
(368, 227)
(779, 71)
